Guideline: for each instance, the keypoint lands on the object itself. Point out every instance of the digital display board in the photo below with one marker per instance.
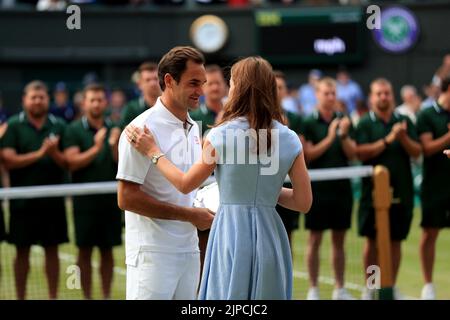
(311, 35)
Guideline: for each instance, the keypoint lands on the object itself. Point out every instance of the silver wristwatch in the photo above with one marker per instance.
(156, 157)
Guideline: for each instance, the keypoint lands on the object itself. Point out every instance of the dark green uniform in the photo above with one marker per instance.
(333, 200)
(397, 161)
(42, 220)
(204, 116)
(98, 219)
(131, 110)
(289, 217)
(435, 192)
(295, 122)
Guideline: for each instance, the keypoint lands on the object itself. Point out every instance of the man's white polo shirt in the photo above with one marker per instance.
(181, 145)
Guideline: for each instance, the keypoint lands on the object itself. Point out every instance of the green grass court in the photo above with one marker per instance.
(409, 283)
(410, 276)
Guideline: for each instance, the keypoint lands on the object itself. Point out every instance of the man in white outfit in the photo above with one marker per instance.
(162, 253)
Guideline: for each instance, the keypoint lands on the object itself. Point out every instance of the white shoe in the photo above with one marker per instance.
(313, 294)
(341, 294)
(368, 294)
(398, 295)
(428, 292)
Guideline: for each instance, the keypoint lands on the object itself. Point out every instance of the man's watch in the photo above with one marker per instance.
(156, 157)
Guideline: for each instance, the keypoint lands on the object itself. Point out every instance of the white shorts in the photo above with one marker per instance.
(163, 276)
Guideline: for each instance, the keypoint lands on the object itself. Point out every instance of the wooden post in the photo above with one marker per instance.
(382, 198)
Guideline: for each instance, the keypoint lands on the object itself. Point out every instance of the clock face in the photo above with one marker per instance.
(209, 33)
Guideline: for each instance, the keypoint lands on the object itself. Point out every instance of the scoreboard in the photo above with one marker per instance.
(311, 35)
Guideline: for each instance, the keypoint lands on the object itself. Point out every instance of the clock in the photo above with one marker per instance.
(209, 33)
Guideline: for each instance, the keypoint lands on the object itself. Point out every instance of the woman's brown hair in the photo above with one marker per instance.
(254, 96)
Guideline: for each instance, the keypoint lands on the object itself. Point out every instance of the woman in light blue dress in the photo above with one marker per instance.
(248, 254)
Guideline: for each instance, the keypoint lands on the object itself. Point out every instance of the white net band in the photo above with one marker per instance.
(79, 189)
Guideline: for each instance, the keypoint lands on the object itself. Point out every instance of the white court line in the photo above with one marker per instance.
(329, 281)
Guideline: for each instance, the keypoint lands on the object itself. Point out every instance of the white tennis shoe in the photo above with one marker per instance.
(313, 294)
(428, 292)
(368, 294)
(341, 294)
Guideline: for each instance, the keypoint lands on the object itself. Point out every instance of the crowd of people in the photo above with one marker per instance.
(331, 124)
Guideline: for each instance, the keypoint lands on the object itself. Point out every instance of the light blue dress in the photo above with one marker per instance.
(248, 254)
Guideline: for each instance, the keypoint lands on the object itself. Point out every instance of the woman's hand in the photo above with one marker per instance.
(142, 140)
(447, 153)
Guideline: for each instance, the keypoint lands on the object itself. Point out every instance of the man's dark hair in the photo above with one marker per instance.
(148, 66)
(94, 87)
(210, 68)
(279, 74)
(35, 85)
(382, 81)
(444, 84)
(174, 63)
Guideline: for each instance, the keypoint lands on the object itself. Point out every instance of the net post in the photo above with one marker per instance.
(382, 199)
